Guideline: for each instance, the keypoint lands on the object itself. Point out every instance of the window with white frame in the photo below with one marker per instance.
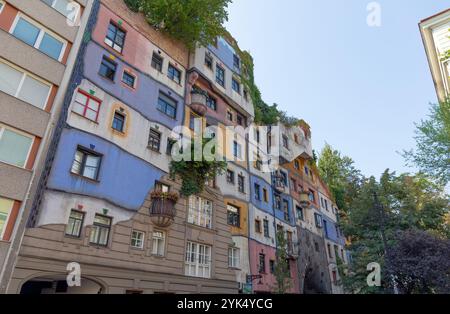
(68, 8)
(233, 257)
(198, 260)
(159, 243)
(86, 105)
(75, 223)
(6, 206)
(33, 34)
(86, 163)
(15, 146)
(137, 239)
(200, 212)
(22, 85)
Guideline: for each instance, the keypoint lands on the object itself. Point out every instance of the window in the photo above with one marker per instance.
(5, 209)
(86, 163)
(286, 210)
(285, 141)
(229, 116)
(233, 257)
(230, 176)
(258, 225)
(167, 105)
(306, 170)
(312, 196)
(2, 4)
(198, 260)
(296, 165)
(300, 213)
(330, 255)
(137, 239)
(108, 69)
(240, 120)
(266, 228)
(334, 277)
(174, 74)
(236, 86)
(208, 61)
(233, 214)
(245, 95)
(211, 103)
(236, 62)
(86, 105)
(154, 140)
(34, 35)
(159, 243)
(277, 201)
(237, 150)
(170, 143)
(100, 230)
(294, 184)
(118, 123)
(162, 187)
(64, 7)
(257, 192)
(115, 37)
(241, 184)
(318, 220)
(15, 146)
(200, 212)
(326, 205)
(75, 223)
(272, 266)
(262, 263)
(157, 62)
(265, 195)
(24, 86)
(195, 123)
(128, 79)
(220, 75)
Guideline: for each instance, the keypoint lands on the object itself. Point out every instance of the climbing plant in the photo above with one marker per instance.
(195, 174)
(190, 21)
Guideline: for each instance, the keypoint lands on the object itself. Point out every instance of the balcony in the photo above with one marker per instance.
(292, 250)
(198, 102)
(162, 210)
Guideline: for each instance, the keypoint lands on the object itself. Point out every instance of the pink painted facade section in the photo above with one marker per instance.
(268, 281)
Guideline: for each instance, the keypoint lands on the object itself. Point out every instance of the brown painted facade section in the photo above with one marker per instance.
(120, 267)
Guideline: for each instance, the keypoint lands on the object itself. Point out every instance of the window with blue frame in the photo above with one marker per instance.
(318, 220)
(325, 227)
(211, 103)
(174, 74)
(220, 75)
(118, 122)
(108, 68)
(286, 210)
(115, 37)
(236, 62)
(300, 213)
(167, 105)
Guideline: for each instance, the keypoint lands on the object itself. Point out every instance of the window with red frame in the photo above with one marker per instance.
(86, 105)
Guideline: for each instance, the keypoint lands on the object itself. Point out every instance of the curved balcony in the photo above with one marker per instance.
(162, 211)
(304, 199)
(198, 102)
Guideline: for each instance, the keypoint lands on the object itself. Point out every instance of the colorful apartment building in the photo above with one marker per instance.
(97, 207)
(435, 32)
(40, 41)
(97, 200)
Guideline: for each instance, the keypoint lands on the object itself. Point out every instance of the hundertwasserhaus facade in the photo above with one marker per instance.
(93, 201)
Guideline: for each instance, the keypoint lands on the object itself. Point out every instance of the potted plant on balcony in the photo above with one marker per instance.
(162, 210)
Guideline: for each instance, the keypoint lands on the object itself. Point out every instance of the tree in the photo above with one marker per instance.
(420, 262)
(432, 154)
(281, 272)
(190, 21)
(340, 174)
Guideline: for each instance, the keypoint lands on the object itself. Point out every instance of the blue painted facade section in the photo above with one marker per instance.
(225, 53)
(330, 231)
(260, 204)
(143, 99)
(279, 213)
(124, 179)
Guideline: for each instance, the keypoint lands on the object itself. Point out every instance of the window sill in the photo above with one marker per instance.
(153, 150)
(85, 178)
(80, 115)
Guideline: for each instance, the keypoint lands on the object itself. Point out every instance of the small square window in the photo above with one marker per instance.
(118, 122)
(108, 68)
(137, 239)
(157, 62)
(167, 105)
(115, 37)
(174, 74)
(208, 61)
(128, 79)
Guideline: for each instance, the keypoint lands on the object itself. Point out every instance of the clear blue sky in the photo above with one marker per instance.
(360, 88)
